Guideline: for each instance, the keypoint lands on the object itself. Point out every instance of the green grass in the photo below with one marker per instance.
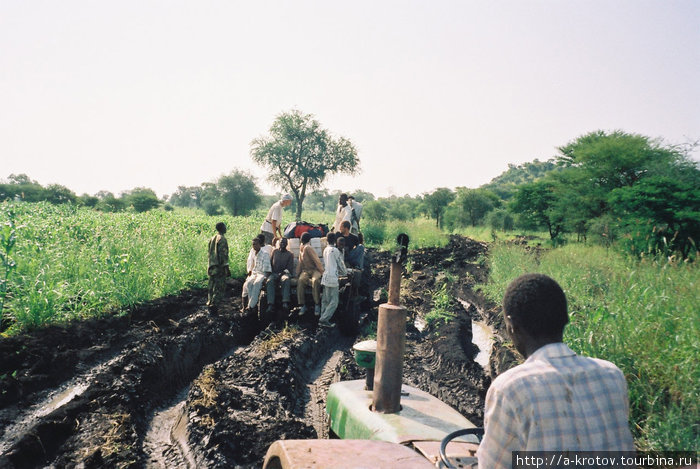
(643, 316)
(422, 233)
(77, 263)
(442, 307)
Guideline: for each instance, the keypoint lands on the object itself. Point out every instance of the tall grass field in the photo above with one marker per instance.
(76, 262)
(644, 316)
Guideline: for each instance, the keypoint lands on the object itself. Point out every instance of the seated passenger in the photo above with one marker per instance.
(282, 268)
(261, 268)
(353, 258)
(309, 271)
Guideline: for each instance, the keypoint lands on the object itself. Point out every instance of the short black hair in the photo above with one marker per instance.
(330, 237)
(305, 238)
(346, 224)
(221, 227)
(538, 304)
(261, 238)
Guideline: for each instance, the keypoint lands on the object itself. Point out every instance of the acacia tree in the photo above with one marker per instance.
(299, 154)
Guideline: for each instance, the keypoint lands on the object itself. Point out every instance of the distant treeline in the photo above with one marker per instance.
(610, 187)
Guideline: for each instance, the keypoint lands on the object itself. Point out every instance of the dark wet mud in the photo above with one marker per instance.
(169, 385)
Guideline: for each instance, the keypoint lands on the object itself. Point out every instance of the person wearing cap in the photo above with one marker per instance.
(272, 224)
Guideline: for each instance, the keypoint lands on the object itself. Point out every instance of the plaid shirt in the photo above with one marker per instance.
(555, 401)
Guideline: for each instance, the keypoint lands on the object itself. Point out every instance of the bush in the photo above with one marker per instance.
(374, 233)
(500, 219)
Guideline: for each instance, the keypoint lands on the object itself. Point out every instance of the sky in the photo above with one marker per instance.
(98, 95)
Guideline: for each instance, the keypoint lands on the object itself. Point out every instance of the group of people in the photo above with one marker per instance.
(275, 267)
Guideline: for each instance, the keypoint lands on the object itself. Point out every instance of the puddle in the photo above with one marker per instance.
(62, 398)
(25, 420)
(420, 323)
(166, 439)
(482, 337)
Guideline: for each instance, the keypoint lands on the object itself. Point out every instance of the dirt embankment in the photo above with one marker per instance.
(168, 385)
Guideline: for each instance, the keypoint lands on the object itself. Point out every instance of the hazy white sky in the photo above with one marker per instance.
(113, 95)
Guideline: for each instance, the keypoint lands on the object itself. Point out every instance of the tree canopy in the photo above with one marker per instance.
(299, 154)
(239, 193)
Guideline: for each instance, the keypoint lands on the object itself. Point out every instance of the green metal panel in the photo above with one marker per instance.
(422, 416)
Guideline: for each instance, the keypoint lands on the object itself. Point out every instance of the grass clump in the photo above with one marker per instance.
(640, 315)
(442, 307)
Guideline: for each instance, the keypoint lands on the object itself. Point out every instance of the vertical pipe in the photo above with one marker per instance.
(395, 283)
(391, 341)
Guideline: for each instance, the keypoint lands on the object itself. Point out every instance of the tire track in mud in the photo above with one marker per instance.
(274, 388)
(100, 417)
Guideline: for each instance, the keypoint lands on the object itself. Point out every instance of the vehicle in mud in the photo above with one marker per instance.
(353, 293)
(378, 421)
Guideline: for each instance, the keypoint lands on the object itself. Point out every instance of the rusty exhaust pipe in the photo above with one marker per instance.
(391, 339)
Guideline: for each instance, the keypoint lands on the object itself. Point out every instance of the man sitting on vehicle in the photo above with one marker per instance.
(556, 400)
(353, 257)
(282, 268)
(309, 272)
(256, 277)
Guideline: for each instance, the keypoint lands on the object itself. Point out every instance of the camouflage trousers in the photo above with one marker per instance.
(217, 286)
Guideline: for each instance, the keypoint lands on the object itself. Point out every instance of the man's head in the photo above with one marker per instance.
(305, 238)
(343, 200)
(283, 244)
(286, 200)
(261, 239)
(534, 307)
(345, 228)
(330, 237)
(221, 228)
(256, 244)
(340, 243)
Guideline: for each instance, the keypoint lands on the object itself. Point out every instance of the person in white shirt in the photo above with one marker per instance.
(356, 215)
(334, 267)
(342, 213)
(272, 224)
(256, 277)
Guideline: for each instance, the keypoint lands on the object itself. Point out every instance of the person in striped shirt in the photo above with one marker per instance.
(556, 400)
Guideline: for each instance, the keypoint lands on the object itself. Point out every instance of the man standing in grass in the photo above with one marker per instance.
(271, 227)
(556, 400)
(218, 268)
(333, 260)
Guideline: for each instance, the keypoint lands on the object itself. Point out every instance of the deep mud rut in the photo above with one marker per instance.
(168, 385)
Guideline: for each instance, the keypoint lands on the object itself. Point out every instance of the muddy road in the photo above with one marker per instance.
(169, 385)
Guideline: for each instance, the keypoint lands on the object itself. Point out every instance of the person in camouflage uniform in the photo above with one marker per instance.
(218, 267)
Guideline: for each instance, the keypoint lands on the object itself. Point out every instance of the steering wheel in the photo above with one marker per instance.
(479, 432)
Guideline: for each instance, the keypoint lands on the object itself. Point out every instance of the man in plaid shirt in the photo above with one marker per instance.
(556, 400)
